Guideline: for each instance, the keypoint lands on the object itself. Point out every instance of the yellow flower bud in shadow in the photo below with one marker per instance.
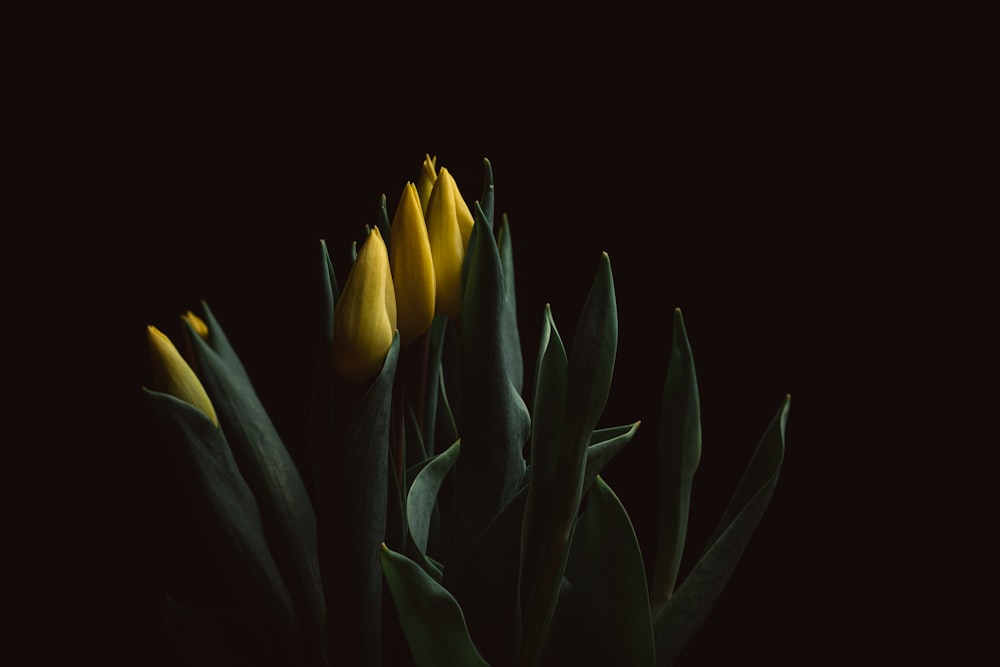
(412, 267)
(172, 375)
(462, 212)
(364, 319)
(449, 225)
(425, 183)
(197, 324)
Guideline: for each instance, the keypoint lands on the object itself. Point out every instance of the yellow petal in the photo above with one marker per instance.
(412, 267)
(172, 375)
(447, 246)
(425, 183)
(197, 324)
(365, 315)
(462, 212)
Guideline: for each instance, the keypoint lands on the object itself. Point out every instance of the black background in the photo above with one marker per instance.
(773, 189)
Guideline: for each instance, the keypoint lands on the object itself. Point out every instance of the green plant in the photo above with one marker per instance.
(418, 477)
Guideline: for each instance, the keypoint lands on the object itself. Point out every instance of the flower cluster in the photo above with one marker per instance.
(428, 472)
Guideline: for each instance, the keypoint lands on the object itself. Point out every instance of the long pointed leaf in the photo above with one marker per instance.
(488, 196)
(423, 495)
(495, 421)
(285, 507)
(610, 618)
(487, 585)
(604, 445)
(434, 373)
(591, 364)
(352, 521)
(511, 334)
(431, 618)
(233, 522)
(680, 452)
(687, 609)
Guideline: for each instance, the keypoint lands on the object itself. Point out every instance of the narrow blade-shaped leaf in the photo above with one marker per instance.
(486, 201)
(680, 452)
(591, 364)
(610, 615)
(604, 446)
(352, 521)
(234, 527)
(511, 334)
(431, 618)
(285, 507)
(495, 421)
(423, 495)
(685, 612)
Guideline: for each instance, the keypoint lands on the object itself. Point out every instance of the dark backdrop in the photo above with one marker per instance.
(753, 189)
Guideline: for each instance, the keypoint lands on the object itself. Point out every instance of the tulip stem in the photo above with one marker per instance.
(418, 383)
(399, 420)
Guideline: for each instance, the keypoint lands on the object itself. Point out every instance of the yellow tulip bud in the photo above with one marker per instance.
(197, 324)
(172, 375)
(425, 183)
(364, 318)
(412, 267)
(449, 225)
(465, 219)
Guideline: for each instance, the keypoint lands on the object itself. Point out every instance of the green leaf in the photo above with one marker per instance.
(232, 519)
(352, 520)
(486, 585)
(446, 429)
(548, 419)
(591, 363)
(415, 448)
(680, 452)
(495, 421)
(431, 389)
(382, 217)
(609, 617)
(687, 609)
(431, 618)
(423, 495)
(451, 369)
(488, 196)
(604, 446)
(549, 409)
(285, 507)
(511, 335)
(326, 402)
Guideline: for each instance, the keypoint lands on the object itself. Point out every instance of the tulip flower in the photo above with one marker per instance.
(364, 319)
(172, 375)
(449, 225)
(197, 324)
(425, 183)
(412, 267)
(462, 212)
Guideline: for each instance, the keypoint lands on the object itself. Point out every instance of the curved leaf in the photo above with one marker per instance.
(233, 522)
(604, 445)
(488, 196)
(687, 609)
(610, 614)
(680, 452)
(423, 494)
(511, 334)
(285, 507)
(487, 585)
(495, 421)
(591, 363)
(431, 618)
(352, 521)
